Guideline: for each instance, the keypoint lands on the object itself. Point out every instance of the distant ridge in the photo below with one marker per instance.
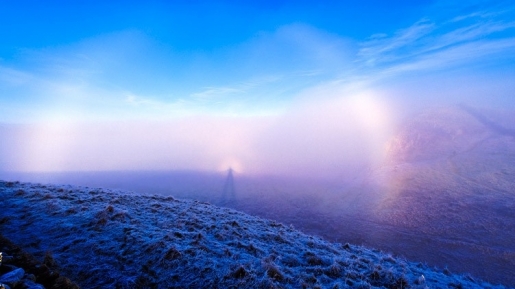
(486, 121)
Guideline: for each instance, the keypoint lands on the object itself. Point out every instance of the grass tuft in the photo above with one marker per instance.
(172, 254)
(274, 273)
(239, 273)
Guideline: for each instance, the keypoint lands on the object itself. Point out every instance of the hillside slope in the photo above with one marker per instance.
(449, 183)
(113, 239)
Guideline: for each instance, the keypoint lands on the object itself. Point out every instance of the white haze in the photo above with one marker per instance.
(326, 138)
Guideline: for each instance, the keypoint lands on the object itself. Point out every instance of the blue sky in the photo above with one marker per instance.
(116, 59)
(65, 62)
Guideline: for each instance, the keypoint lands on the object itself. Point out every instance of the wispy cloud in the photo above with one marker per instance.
(453, 56)
(156, 107)
(210, 93)
(428, 44)
(14, 77)
(137, 100)
(384, 49)
(215, 94)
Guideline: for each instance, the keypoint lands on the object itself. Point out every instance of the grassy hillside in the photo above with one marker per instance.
(108, 239)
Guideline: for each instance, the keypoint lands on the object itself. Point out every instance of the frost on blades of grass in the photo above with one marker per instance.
(111, 239)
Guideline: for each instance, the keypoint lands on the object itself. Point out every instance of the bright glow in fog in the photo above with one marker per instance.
(327, 138)
(194, 144)
(45, 147)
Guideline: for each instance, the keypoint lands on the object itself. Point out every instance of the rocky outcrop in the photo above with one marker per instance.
(19, 269)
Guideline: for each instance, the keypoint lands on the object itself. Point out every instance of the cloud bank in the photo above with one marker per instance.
(327, 139)
(293, 100)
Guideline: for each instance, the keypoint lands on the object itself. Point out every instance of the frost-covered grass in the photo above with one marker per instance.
(112, 239)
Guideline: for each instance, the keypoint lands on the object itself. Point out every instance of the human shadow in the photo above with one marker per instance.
(228, 192)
